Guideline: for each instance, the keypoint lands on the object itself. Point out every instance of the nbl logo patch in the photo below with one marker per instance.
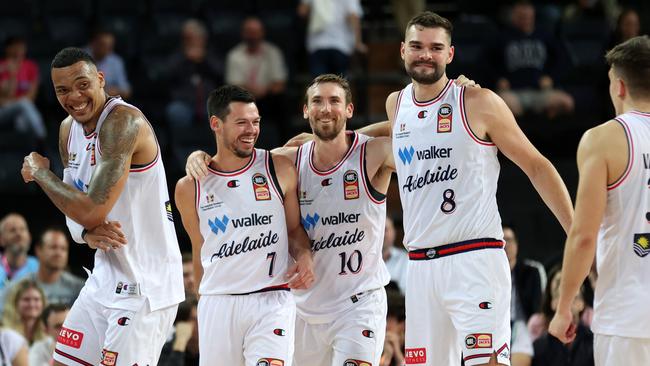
(351, 362)
(269, 362)
(351, 185)
(445, 113)
(642, 244)
(261, 187)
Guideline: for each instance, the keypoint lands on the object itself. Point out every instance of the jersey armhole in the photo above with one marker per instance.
(197, 193)
(373, 194)
(463, 116)
(630, 155)
(274, 179)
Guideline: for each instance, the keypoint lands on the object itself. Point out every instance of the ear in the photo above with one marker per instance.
(305, 112)
(349, 110)
(452, 52)
(102, 80)
(402, 47)
(215, 123)
(621, 88)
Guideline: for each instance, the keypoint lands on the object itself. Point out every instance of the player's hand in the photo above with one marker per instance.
(562, 326)
(31, 164)
(301, 274)
(299, 139)
(106, 236)
(463, 80)
(197, 163)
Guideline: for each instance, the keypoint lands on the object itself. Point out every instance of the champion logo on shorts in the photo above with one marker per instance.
(70, 338)
(368, 333)
(350, 362)
(269, 362)
(109, 358)
(279, 332)
(415, 355)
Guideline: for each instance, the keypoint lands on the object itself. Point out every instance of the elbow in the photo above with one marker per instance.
(582, 241)
(90, 219)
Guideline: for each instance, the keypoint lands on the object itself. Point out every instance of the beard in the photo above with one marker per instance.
(327, 134)
(16, 249)
(423, 77)
(240, 153)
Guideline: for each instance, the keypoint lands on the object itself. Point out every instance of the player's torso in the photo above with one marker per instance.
(344, 218)
(447, 176)
(243, 225)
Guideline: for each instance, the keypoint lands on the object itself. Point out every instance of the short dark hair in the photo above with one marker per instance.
(53, 308)
(429, 19)
(70, 56)
(631, 61)
(219, 100)
(331, 78)
(55, 229)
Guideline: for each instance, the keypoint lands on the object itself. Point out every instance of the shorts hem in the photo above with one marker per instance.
(65, 358)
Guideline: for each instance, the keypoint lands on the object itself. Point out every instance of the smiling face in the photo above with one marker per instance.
(327, 110)
(80, 90)
(240, 129)
(30, 304)
(426, 53)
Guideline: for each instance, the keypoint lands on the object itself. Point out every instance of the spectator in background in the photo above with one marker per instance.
(59, 285)
(258, 66)
(395, 327)
(23, 310)
(102, 44)
(606, 10)
(396, 259)
(404, 10)
(40, 353)
(15, 239)
(333, 34)
(521, 346)
(181, 349)
(13, 348)
(189, 281)
(191, 73)
(18, 87)
(628, 26)
(528, 62)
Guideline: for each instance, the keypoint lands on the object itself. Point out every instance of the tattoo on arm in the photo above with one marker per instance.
(60, 193)
(117, 140)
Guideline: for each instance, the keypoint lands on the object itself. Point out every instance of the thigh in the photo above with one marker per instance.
(80, 339)
(220, 332)
(311, 345)
(359, 334)
(613, 350)
(269, 340)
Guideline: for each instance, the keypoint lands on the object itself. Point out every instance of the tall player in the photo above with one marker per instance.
(243, 220)
(343, 178)
(112, 163)
(612, 209)
(445, 142)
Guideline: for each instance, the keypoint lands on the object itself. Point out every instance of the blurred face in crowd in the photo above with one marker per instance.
(16, 51)
(80, 90)
(53, 251)
(14, 234)
(240, 129)
(523, 18)
(512, 246)
(29, 304)
(327, 110)
(389, 236)
(55, 323)
(103, 45)
(252, 32)
(426, 53)
(630, 25)
(188, 277)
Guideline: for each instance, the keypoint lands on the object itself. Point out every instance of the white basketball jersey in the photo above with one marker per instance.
(623, 288)
(344, 217)
(242, 221)
(447, 176)
(149, 264)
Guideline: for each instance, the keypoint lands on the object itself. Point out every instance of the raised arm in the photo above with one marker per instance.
(185, 196)
(490, 118)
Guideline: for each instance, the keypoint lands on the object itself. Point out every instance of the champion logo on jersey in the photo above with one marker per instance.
(219, 224)
(642, 244)
(326, 182)
(309, 221)
(123, 321)
(422, 114)
(406, 154)
(233, 183)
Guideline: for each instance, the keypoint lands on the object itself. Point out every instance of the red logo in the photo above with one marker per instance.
(422, 114)
(415, 355)
(109, 358)
(70, 338)
(478, 340)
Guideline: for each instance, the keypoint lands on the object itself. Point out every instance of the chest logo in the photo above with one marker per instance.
(422, 114)
(445, 113)
(642, 244)
(261, 187)
(351, 185)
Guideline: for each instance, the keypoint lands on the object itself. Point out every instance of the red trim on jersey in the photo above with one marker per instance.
(399, 101)
(365, 174)
(235, 172)
(73, 358)
(146, 167)
(355, 141)
(270, 177)
(92, 134)
(644, 114)
(298, 162)
(434, 100)
(630, 155)
(466, 124)
(478, 355)
(197, 193)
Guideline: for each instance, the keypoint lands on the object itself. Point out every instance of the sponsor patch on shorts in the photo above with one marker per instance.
(109, 358)
(478, 340)
(269, 362)
(351, 362)
(415, 355)
(70, 338)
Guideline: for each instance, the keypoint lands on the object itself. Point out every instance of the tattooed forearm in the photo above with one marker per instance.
(117, 139)
(60, 193)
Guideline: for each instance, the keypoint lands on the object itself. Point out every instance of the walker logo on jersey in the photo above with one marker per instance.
(642, 244)
(279, 332)
(309, 221)
(646, 162)
(478, 340)
(368, 333)
(109, 358)
(444, 118)
(326, 182)
(219, 224)
(269, 362)
(356, 363)
(123, 321)
(261, 187)
(422, 114)
(485, 305)
(70, 338)
(406, 154)
(415, 355)
(168, 210)
(233, 183)
(80, 185)
(351, 185)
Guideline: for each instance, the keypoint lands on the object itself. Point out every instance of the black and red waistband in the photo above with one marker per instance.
(283, 287)
(455, 248)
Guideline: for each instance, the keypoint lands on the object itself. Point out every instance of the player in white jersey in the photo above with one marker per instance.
(612, 219)
(244, 221)
(343, 178)
(126, 309)
(445, 141)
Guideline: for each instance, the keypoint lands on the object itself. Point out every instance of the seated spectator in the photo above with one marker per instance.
(13, 348)
(549, 351)
(15, 239)
(191, 74)
(396, 259)
(23, 310)
(528, 62)
(259, 67)
(101, 48)
(188, 277)
(181, 349)
(521, 346)
(395, 330)
(40, 353)
(59, 285)
(628, 26)
(18, 88)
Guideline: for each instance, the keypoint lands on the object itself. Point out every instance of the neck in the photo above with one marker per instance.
(30, 324)
(253, 48)
(16, 261)
(227, 161)
(636, 105)
(329, 153)
(424, 92)
(48, 275)
(91, 125)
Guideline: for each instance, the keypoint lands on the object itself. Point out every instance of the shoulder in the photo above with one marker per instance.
(287, 152)
(378, 144)
(480, 97)
(185, 185)
(602, 135)
(64, 127)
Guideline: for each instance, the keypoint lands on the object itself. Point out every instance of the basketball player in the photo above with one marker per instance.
(125, 311)
(343, 179)
(445, 142)
(612, 207)
(243, 220)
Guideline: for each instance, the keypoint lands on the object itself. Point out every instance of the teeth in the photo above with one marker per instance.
(78, 108)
